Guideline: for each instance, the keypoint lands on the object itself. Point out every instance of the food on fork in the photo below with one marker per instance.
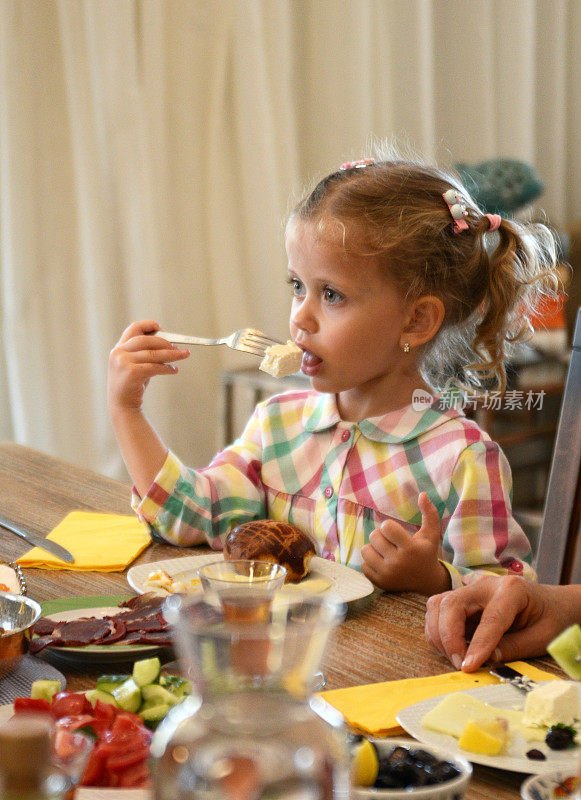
(281, 360)
(269, 540)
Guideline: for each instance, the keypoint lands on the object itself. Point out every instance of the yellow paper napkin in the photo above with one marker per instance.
(372, 708)
(99, 542)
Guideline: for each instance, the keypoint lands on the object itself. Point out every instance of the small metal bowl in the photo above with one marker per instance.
(18, 614)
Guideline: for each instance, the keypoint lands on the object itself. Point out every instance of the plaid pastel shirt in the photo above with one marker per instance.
(298, 462)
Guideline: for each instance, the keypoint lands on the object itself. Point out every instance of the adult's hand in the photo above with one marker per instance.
(511, 618)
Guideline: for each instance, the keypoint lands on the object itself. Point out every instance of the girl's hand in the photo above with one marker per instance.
(396, 560)
(134, 360)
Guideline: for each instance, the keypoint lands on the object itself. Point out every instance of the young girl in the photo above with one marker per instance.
(400, 286)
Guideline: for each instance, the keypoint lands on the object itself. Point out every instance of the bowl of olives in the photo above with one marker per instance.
(403, 769)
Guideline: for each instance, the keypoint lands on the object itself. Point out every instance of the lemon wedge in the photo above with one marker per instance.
(365, 764)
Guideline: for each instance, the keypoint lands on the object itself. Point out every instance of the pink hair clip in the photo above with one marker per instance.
(494, 220)
(457, 206)
(362, 162)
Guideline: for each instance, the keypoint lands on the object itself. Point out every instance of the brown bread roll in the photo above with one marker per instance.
(269, 540)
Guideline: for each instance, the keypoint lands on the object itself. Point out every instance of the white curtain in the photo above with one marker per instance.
(149, 152)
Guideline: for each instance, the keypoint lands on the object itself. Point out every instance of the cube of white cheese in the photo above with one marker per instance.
(282, 359)
(552, 703)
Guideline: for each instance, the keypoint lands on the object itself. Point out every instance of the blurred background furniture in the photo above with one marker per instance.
(558, 558)
(241, 390)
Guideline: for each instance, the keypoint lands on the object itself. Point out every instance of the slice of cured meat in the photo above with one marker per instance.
(160, 638)
(139, 620)
(44, 626)
(76, 633)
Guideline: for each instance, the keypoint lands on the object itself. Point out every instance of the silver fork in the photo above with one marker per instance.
(248, 340)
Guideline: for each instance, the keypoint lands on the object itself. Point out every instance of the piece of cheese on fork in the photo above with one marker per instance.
(282, 359)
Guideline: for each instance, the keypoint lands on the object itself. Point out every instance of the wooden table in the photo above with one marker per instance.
(382, 641)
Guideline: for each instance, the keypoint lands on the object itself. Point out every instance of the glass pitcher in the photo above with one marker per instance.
(251, 729)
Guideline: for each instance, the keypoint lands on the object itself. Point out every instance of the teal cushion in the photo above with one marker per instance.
(501, 186)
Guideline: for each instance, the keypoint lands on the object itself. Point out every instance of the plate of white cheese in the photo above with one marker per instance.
(443, 721)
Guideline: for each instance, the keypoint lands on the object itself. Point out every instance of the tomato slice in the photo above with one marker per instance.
(136, 777)
(95, 770)
(117, 763)
(74, 721)
(69, 704)
(30, 704)
(105, 711)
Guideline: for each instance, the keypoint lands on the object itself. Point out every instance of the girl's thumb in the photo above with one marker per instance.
(430, 516)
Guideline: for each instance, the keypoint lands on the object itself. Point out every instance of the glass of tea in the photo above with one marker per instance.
(245, 588)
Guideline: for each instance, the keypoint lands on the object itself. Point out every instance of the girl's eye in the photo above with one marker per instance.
(296, 286)
(331, 296)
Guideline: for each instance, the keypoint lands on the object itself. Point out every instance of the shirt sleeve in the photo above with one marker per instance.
(186, 507)
(481, 535)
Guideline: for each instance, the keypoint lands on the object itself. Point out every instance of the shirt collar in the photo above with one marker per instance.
(321, 413)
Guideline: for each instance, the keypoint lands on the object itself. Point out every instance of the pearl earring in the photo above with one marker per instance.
(406, 347)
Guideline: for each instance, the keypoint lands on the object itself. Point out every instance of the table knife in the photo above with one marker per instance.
(514, 677)
(38, 541)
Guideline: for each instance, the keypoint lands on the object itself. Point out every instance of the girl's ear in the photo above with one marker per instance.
(423, 321)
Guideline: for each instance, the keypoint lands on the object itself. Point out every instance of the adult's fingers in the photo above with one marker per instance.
(497, 617)
(445, 626)
(517, 645)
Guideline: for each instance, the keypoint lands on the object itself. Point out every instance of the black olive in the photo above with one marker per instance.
(560, 737)
(403, 768)
(536, 755)
(425, 757)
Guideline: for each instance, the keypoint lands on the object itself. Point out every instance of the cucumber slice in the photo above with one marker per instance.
(128, 696)
(107, 683)
(176, 685)
(153, 715)
(146, 671)
(44, 689)
(93, 695)
(154, 692)
(566, 650)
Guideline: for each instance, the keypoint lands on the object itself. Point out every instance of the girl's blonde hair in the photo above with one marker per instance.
(393, 212)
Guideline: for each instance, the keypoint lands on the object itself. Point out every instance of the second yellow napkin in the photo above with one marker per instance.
(99, 542)
(372, 708)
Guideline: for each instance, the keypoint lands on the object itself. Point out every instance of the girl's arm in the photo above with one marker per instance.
(481, 535)
(135, 359)
(187, 507)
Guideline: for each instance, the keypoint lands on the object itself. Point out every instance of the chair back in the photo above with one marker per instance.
(558, 557)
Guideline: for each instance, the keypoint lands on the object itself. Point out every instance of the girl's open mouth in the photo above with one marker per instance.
(311, 363)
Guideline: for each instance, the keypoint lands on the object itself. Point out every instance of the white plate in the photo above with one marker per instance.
(549, 785)
(97, 653)
(344, 582)
(93, 793)
(515, 759)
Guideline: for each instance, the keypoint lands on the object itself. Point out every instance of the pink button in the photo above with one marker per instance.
(329, 491)
(345, 435)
